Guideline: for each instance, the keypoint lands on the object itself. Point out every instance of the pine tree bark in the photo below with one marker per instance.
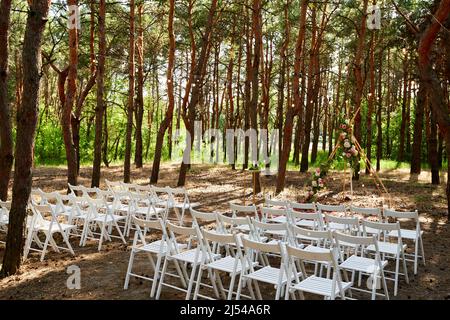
(401, 147)
(6, 141)
(357, 70)
(68, 106)
(139, 114)
(130, 105)
(199, 74)
(27, 116)
(294, 109)
(170, 93)
(416, 156)
(100, 108)
(371, 102)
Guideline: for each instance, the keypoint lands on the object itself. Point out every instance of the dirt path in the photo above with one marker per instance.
(102, 274)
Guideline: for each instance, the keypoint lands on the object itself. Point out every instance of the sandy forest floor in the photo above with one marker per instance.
(103, 273)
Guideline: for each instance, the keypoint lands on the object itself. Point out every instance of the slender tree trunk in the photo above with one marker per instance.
(140, 89)
(371, 102)
(416, 156)
(379, 113)
(27, 116)
(433, 151)
(357, 70)
(6, 141)
(170, 92)
(100, 108)
(304, 164)
(401, 148)
(130, 105)
(199, 74)
(68, 106)
(297, 105)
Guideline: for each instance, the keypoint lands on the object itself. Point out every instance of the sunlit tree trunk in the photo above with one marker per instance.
(27, 116)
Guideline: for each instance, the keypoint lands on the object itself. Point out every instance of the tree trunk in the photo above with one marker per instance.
(429, 78)
(130, 105)
(170, 92)
(139, 114)
(199, 74)
(297, 105)
(27, 116)
(379, 113)
(6, 141)
(68, 106)
(357, 70)
(371, 101)
(416, 156)
(100, 95)
(401, 148)
(304, 164)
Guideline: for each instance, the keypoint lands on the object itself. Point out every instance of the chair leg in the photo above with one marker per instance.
(191, 281)
(386, 291)
(231, 288)
(161, 280)
(416, 252)
(421, 249)
(197, 285)
(155, 276)
(397, 267)
(405, 268)
(102, 235)
(130, 266)
(44, 250)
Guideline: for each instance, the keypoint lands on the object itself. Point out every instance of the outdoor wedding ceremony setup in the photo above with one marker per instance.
(224, 150)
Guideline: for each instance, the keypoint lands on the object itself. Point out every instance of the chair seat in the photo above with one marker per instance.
(386, 247)
(45, 226)
(320, 286)
(189, 256)
(146, 210)
(362, 264)
(405, 233)
(226, 264)
(279, 219)
(109, 218)
(280, 233)
(180, 205)
(337, 226)
(316, 249)
(155, 247)
(306, 223)
(268, 275)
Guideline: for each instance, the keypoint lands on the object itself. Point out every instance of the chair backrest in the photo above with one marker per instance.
(128, 186)
(182, 231)
(230, 224)
(383, 228)
(331, 208)
(199, 217)
(305, 255)
(261, 246)
(389, 213)
(270, 213)
(264, 226)
(247, 210)
(303, 207)
(276, 203)
(350, 224)
(374, 212)
(321, 236)
(78, 191)
(142, 189)
(316, 217)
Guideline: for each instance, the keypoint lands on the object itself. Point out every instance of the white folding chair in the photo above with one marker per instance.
(299, 281)
(366, 213)
(277, 204)
(276, 230)
(158, 248)
(180, 207)
(39, 224)
(190, 255)
(214, 264)
(344, 224)
(106, 221)
(252, 274)
(389, 250)
(373, 267)
(338, 210)
(244, 211)
(408, 234)
(142, 208)
(114, 186)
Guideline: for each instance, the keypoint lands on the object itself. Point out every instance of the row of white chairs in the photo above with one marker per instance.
(237, 245)
(91, 213)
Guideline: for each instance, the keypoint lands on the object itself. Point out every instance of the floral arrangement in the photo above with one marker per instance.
(347, 147)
